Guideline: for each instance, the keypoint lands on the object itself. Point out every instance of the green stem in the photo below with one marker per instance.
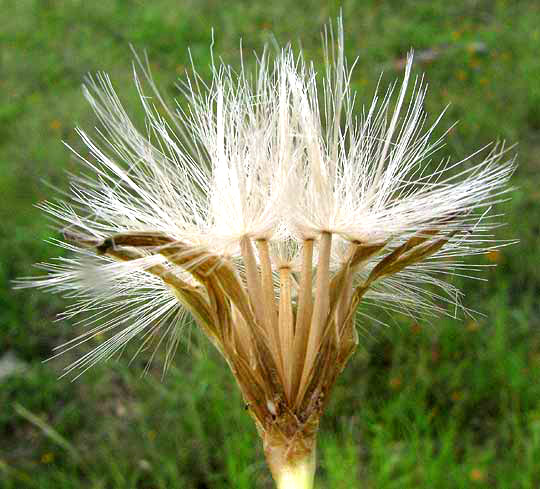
(297, 475)
(292, 462)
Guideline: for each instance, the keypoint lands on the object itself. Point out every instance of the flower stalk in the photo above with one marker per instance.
(298, 474)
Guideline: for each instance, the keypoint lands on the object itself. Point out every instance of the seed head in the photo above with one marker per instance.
(268, 209)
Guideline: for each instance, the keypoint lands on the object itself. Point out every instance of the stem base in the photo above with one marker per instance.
(292, 462)
(299, 475)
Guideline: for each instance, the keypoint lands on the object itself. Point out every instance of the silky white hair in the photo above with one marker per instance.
(282, 155)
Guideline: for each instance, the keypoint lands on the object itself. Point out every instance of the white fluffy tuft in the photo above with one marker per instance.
(267, 157)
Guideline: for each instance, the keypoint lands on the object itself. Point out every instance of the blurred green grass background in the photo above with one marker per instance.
(452, 404)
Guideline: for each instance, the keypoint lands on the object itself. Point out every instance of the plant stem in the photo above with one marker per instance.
(298, 475)
(292, 460)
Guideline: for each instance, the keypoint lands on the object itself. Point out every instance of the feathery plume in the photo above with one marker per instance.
(268, 211)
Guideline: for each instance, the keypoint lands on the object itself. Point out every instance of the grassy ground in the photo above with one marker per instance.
(445, 405)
